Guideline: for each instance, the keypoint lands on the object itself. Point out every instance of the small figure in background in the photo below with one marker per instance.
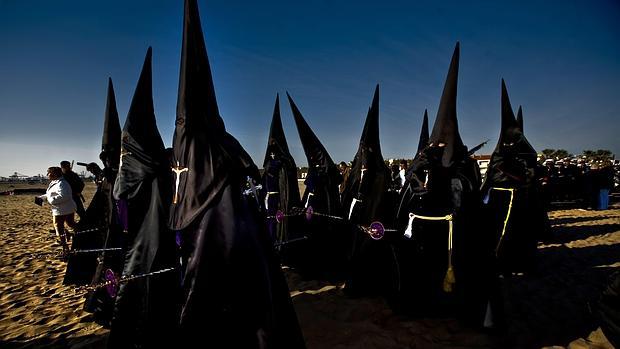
(59, 196)
(77, 185)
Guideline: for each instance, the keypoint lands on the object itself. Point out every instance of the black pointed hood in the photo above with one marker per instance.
(376, 179)
(196, 102)
(369, 150)
(423, 142)
(142, 149)
(511, 134)
(316, 153)
(205, 153)
(508, 117)
(509, 124)
(277, 140)
(520, 119)
(446, 128)
(111, 140)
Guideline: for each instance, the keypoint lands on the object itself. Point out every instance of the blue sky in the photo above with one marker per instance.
(560, 59)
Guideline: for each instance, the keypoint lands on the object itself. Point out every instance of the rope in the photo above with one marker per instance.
(449, 279)
(501, 238)
(269, 193)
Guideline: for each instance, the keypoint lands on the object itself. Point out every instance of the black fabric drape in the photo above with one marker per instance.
(146, 309)
(233, 291)
(81, 268)
(513, 166)
(366, 200)
(323, 254)
(280, 175)
(452, 188)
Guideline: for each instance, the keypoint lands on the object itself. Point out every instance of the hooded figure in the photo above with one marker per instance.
(99, 302)
(365, 192)
(233, 291)
(279, 181)
(415, 179)
(101, 215)
(443, 266)
(323, 177)
(323, 254)
(514, 208)
(145, 312)
(366, 199)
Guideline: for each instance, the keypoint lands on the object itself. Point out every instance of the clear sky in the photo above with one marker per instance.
(560, 59)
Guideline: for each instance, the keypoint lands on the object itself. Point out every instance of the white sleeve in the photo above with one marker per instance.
(62, 195)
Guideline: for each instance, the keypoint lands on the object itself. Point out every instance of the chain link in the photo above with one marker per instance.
(122, 280)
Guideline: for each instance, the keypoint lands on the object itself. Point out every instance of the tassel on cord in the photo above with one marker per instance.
(353, 203)
(449, 280)
(409, 230)
(308, 199)
(501, 238)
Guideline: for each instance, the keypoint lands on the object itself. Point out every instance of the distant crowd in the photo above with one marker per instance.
(587, 183)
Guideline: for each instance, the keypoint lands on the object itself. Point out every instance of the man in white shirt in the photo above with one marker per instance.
(60, 197)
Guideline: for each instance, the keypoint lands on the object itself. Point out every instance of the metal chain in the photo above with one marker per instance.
(87, 231)
(57, 254)
(300, 212)
(122, 280)
(95, 250)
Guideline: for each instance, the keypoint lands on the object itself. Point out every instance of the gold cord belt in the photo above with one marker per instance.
(512, 194)
(449, 280)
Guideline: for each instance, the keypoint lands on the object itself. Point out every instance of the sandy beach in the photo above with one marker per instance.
(549, 308)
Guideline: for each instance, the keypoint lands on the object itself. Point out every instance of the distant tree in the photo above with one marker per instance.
(588, 154)
(556, 153)
(600, 154)
(548, 153)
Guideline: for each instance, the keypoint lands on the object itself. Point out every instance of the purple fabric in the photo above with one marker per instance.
(121, 209)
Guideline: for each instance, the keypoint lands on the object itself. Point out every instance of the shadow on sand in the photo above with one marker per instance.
(552, 305)
(566, 234)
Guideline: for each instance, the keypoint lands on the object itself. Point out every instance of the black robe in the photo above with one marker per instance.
(423, 258)
(99, 302)
(367, 199)
(81, 267)
(434, 281)
(145, 312)
(280, 188)
(233, 292)
(323, 254)
(100, 216)
(517, 225)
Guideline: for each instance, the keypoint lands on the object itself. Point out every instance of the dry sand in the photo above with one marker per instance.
(547, 308)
